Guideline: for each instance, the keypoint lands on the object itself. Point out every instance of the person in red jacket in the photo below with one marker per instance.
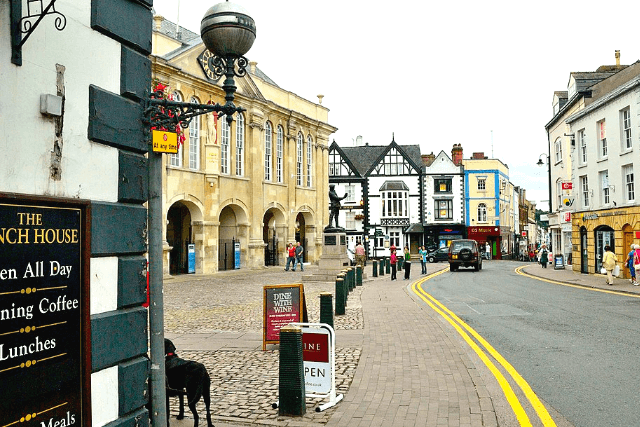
(393, 259)
(291, 257)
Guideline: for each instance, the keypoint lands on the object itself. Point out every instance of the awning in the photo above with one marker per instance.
(415, 228)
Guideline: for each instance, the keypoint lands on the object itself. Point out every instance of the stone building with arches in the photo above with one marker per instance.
(249, 188)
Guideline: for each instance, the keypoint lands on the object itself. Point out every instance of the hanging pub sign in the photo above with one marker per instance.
(45, 364)
(283, 304)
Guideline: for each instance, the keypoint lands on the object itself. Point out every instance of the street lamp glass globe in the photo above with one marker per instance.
(228, 30)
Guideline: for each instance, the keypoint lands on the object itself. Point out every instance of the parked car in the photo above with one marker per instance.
(438, 255)
(464, 253)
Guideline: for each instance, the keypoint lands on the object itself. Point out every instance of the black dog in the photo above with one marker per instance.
(190, 376)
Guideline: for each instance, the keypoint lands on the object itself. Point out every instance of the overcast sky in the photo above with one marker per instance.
(481, 74)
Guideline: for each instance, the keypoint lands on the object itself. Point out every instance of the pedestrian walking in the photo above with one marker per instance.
(609, 263)
(291, 257)
(630, 265)
(636, 260)
(360, 256)
(299, 250)
(393, 260)
(544, 256)
(423, 259)
(407, 263)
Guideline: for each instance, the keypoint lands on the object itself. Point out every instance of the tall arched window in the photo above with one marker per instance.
(240, 145)
(299, 154)
(482, 212)
(309, 159)
(279, 153)
(176, 159)
(194, 140)
(267, 151)
(225, 132)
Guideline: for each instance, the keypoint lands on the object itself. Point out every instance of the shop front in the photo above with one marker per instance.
(618, 228)
(491, 236)
(441, 235)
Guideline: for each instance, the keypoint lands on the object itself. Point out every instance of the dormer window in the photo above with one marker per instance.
(572, 87)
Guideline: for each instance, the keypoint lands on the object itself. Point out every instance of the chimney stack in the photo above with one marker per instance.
(617, 58)
(456, 154)
(428, 159)
(478, 155)
(359, 141)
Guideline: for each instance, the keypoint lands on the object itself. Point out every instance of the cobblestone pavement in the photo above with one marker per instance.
(228, 307)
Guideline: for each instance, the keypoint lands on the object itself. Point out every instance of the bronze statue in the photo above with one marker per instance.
(334, 206)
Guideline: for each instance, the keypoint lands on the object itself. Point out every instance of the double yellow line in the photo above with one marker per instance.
(467, 332)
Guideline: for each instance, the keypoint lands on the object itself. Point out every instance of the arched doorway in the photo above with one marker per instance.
(301, 235)
(270, 239)
(227, 239)
(179, 234)
(603, 236)
(584, 255)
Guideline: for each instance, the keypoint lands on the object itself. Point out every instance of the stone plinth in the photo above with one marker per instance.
(334, 257)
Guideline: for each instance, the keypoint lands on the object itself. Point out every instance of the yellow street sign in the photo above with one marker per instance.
(164, 142)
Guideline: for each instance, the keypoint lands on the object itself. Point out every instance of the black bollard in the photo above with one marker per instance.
(388, 265)
(326, 308)
(375, 268)
(345, 286)
(291, 388)
(359, 276)
(382, 262)
(352, 279)
(400, 262)
(341, 298)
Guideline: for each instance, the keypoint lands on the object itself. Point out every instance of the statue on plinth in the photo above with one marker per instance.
(334, 209)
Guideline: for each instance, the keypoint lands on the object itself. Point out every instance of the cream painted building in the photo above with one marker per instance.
(258, 184)
(488, 204)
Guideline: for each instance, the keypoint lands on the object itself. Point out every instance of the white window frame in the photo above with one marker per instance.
(482, 184)
(240, 145)
(299, 159)
(629, 184)
(394, 239)
(625, 124)
(604, 186)
(584, 190)
(582, 146)
(350, 221)
(350, 189)
(482, 212)
(279, 153)
(225, 142)
(601, 129)
(194, 140)
(558, 150)
(309, 159)
(395, 204)
(176, 159)
(268, 148)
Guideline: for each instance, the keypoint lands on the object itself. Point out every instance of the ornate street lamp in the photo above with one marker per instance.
(228, 32)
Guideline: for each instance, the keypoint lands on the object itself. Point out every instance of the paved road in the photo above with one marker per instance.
(576, 348)
(398, 362)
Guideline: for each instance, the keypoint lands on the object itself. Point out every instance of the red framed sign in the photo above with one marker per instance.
(283, 304)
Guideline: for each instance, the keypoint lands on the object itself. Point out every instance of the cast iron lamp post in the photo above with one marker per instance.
(228, 32)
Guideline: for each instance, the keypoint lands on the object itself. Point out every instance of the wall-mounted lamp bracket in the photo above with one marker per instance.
(26, 25)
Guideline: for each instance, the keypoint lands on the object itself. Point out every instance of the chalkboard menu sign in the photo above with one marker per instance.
(44, 312)
(283, 304)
